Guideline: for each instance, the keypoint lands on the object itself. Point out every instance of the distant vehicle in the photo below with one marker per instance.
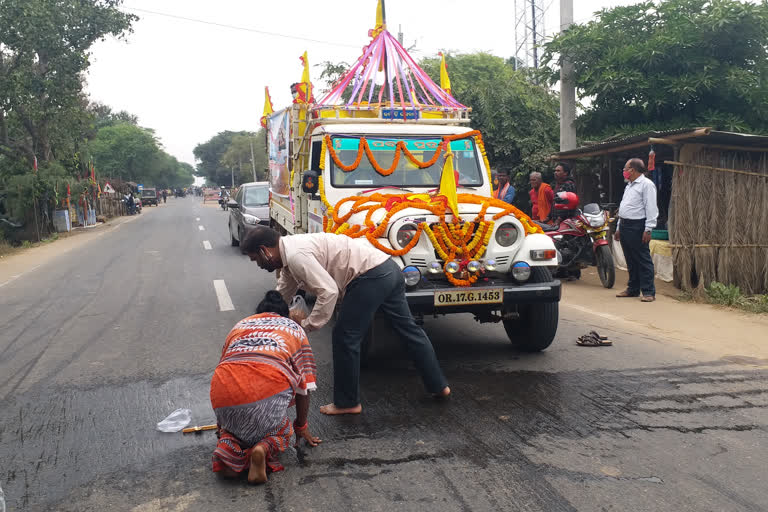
(149, 196)
(249, 207)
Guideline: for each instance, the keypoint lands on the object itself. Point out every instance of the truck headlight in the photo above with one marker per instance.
(506, 234)
(250, 219)
(405, 234)
(490, 264)
(412, 275)
(452, 267)
(474, 266)
(434, 267)
(521, 271)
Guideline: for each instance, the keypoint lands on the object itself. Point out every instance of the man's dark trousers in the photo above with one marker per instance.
(381, 288)
(638, 257)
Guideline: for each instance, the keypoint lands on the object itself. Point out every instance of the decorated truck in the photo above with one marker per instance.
(387, 156)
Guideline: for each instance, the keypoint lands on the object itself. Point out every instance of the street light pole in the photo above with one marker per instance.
(567, 87)
(253, 161)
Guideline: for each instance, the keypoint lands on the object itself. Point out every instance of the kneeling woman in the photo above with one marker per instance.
(265, 365)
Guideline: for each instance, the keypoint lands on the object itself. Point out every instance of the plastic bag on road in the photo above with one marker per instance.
(175, 421)
(298, 307)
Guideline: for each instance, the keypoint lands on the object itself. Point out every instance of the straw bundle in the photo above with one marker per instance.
(719, 221)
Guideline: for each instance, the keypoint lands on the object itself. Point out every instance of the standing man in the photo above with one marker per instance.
(637, 217)
(165, 196)
(542, 198)
(333, 268)
(563, 180)
(505, 192)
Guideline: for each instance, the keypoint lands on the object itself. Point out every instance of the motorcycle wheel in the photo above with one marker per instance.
(605, 266)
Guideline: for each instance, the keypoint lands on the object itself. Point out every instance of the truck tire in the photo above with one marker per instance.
(605, 266)
(536, 326)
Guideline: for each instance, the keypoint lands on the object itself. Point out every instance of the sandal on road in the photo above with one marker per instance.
(593, 340)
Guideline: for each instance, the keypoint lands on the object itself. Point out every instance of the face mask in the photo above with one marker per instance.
(627, 174)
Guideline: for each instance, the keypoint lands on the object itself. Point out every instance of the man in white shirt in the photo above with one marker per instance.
(338, 268)
(637, 218)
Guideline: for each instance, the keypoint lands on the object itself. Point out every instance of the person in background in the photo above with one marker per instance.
(505, 190)
(266, 365)
(165, 196)
(542, 198)
(637, 218)
(336, 268)
(563, 183)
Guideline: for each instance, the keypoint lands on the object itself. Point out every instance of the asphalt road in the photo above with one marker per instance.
(100, 343)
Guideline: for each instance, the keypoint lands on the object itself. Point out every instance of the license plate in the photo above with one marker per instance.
(460, 297)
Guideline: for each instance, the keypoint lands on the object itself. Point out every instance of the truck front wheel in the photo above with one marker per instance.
(535, 328)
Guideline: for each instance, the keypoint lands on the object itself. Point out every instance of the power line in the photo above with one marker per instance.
(235, 27)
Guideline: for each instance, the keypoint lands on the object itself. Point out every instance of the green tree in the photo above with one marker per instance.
(44, 48)
(238, 156)
(126, 151)
(210, 156)
(669, 64)
(518, 119)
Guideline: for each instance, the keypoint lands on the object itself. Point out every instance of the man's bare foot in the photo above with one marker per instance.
(444, 393)
(257, 473)
(332, 410)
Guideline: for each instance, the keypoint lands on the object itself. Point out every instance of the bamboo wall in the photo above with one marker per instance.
(719, 219)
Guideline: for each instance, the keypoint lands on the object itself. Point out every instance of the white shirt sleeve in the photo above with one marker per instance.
(306, 269)
(651, 208)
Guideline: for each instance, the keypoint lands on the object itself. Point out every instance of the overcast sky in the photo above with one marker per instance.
(189, 80)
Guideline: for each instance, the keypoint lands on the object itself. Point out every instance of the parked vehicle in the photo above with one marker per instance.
(149, 196)
(249, 207)
(582, 239)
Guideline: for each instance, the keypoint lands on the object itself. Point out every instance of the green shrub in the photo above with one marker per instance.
(727, 295)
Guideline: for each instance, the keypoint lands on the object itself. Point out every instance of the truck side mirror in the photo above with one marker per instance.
(310, 182)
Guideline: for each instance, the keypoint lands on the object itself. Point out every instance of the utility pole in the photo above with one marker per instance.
(567, 87)
(533, 32)
(232, 171)
(400, 34)
(253, 161)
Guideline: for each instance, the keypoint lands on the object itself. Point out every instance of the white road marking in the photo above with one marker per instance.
(207, 245)
(15, 277)
(225, 302)
(201, 228)
(197, 218)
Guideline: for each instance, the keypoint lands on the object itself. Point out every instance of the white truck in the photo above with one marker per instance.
(386, 155)
(512, 281)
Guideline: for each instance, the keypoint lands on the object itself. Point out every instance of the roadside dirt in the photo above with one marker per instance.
(721, 332)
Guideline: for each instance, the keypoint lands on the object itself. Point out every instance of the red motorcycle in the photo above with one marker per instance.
(581, 239)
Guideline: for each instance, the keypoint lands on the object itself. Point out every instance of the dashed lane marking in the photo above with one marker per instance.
(197, 219)
(225, 302)
(201, 228)
(207, 245)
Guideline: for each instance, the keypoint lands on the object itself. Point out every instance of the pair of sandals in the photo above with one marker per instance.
(593, 339)
(644, 298)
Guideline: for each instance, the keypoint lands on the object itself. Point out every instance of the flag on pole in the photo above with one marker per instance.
(267, 107)
(93, 173)
(305, 86)
(445, 81)
(448, 183)
(34, 164)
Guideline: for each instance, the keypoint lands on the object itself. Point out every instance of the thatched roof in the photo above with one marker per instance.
(701, 135)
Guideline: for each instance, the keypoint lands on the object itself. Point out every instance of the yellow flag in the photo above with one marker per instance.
(380, 14)
(445, 81)
(267, 107)
(448, 183)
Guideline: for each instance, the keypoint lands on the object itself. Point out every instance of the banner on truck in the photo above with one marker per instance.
(278, 128)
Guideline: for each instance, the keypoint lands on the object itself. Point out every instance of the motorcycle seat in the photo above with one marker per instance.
(546, 227)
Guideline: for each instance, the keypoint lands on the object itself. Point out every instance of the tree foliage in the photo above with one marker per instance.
(518, 119)
(228, 153)
(669, 64)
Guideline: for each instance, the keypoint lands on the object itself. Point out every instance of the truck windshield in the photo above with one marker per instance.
(406, 174)
(256, 196)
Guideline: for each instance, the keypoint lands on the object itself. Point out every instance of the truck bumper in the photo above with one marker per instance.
(422, 300)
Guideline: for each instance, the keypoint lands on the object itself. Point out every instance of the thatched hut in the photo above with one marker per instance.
(713, 199)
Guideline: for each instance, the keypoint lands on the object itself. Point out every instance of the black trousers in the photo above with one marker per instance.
(638, 257)
(381, 288)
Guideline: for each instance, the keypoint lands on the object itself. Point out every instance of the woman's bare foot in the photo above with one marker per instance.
(332, 410)
(257, 473)
(444, 393)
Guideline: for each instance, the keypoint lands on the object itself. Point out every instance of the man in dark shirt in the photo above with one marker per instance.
(563, 180)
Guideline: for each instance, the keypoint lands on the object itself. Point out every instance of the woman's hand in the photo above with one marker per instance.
(308, 437)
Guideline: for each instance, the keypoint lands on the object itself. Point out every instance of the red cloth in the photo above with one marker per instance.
(542, 201)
